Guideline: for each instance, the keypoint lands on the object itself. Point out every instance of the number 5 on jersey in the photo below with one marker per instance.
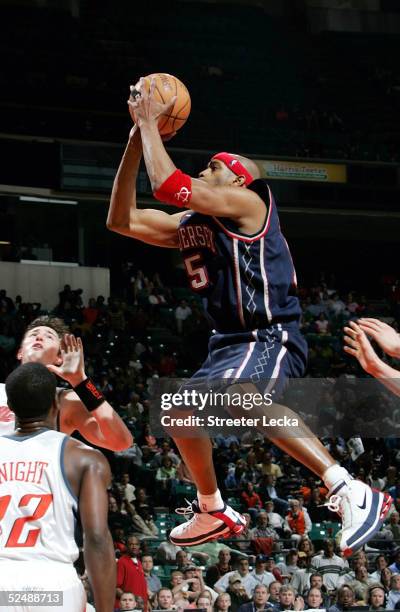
(197, 272)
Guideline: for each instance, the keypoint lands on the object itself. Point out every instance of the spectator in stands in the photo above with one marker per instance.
(223, 603)
(243, 575)
(351, 304)
(306, 546)
(275, 520)
(316, 582)
(271, 567)
(181, 601)
(263, 537)
(376, 597)
(336, 306)
(316, 307)
(322, 325)
(394, 525)
(260, 598)
(165, 599)
(168, 553)
(268, 491)
(274, 589)
(251, 500)
(143, 502)
(119, 540)
(361, 583)
(90, 314)
(199, 586)
(130, 575)
(260, 572)
(204, 602)
(329, 565)
(252, 471)
(290, 566)
(164, 476)
(345, 599)
(117, 515)
(395, 566)
(176, 582)
(268, 468)
(314, 600)
(297, 524)
(215, 572)
(300, 580)
(153, 581)
(143, 525)
(386, 577)
(182, 312)
(237, 592)
(288, 599)
(127, 601)
(316, 509)
(380, 564)
(394, 593)
(165, 451)
(126, 488)
(242, 541)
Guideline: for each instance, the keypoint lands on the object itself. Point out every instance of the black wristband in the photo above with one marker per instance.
(89, 395)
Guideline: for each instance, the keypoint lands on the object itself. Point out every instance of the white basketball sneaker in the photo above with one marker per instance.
(206, 526)
(362, 511)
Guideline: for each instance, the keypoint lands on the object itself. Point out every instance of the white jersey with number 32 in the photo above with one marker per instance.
(37, 506)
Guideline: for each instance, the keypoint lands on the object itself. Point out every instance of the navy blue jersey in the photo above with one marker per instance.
(247, 282)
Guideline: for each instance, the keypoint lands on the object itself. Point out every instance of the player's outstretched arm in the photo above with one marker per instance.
(358, 345)
(98, 549)
(101, 426)
(151, 226)
(238, 204)
(387, 337)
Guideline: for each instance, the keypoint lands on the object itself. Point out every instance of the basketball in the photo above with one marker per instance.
(166, 87)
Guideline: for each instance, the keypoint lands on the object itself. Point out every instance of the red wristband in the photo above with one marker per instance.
(176, 190)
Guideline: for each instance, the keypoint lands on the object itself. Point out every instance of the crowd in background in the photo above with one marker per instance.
(288, 557)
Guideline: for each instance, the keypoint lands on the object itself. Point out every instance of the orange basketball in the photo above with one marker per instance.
(166, 87)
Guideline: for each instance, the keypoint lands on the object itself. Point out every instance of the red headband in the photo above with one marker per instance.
(235, 166)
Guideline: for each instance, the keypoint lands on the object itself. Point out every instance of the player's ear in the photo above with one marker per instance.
(239, 181)
(19, 354)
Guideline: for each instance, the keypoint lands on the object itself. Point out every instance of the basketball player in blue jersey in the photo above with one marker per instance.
(236, 258)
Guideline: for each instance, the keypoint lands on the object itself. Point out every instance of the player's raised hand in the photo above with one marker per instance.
(358, 345)
(387, 337)
(72, 368)
(143, 105)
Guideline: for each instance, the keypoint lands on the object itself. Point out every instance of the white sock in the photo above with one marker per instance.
(334, 476)
(209, 503)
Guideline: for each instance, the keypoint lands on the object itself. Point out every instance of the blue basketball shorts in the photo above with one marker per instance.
(265, 357)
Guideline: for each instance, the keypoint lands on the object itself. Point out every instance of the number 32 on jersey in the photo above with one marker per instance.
(13, 540)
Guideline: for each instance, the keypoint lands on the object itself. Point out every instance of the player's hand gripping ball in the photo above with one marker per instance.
(167, 99)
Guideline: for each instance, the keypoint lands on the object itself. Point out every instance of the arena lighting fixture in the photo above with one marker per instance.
(47, 200)
(5, 242)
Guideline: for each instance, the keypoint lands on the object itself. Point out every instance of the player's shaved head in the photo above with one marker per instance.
(31, 389)
(250, 166)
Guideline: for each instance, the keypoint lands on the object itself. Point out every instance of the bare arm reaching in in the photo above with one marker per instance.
(358, 345)
(148, 225)
(102, 426)
(90, 476)
(385, 335)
